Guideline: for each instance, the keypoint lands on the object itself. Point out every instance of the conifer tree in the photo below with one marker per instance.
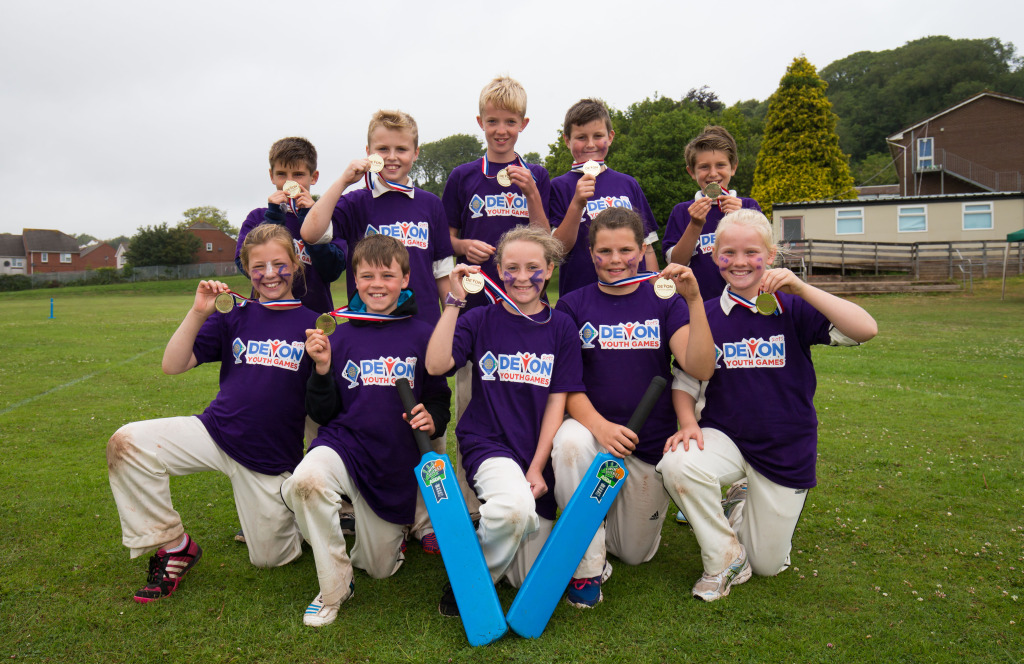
(800, 159)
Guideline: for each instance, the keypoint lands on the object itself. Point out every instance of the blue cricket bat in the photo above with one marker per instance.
(475, 595)
(548, 578)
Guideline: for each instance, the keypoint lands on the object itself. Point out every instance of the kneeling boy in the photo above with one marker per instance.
(365, 451)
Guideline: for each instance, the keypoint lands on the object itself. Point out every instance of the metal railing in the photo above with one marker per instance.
(966, 169)
(966, 274)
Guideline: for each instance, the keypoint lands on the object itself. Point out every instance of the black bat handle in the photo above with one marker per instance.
(643, 409)
(409, 402)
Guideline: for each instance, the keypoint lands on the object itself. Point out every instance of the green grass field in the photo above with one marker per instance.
(911, 549)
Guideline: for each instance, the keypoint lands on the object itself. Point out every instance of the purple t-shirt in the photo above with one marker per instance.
(625, 343)
(259, 413)
(419, 223)
(517, 363)
(369, 434)
(481, 209)
(762, 392)
(704, 269)
(314, 292)
(611, 189)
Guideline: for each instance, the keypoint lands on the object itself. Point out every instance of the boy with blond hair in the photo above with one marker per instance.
(489, 196)
(389, 205)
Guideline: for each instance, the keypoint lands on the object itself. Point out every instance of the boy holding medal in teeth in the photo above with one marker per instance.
(365, 448)
(711, 160)
(293, 172)
(587, 189)
(629, 328)
(389, 204)
(758, 421)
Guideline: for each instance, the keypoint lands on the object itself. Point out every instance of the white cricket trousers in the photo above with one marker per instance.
(769, 515)
(632, 529)
(314, 493)
(511, 532)
(143, 456)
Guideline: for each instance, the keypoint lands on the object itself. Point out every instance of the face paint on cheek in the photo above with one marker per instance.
(598, 260)
(284, 273)
(723, 263)
(508, 279)
(632, 263)
(257, 277)
(759, 264)
(537, 279)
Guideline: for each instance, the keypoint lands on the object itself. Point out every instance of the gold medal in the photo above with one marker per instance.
(766, 304)
(591, 168)
(376, 163)
(292, 189)
(224, 303)
(713, 190)
(503, 178)
(326, 324)
(664, 288)
(473, 282)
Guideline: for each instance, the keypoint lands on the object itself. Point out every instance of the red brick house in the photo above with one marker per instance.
(217, 246)
(971, 147)
(50, 251)
(98, 255)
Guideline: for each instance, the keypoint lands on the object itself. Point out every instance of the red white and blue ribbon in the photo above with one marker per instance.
(744, 302)
(369, 178)
(629, 281)
(241, 301)
(485, 166)
(495, 293)
(578, 166)
(345, 312)
(293, 207)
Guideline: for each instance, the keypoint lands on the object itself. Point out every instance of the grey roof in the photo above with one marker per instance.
(52, 241)
(11, 245)
(937, 198)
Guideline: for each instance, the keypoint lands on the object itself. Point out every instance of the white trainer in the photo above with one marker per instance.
(716, 586)
(319, 614)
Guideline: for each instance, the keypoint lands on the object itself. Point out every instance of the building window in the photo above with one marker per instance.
(792, 229)
(850, 221)
(925, 153)
(65, 258)
(912, 219)
(209, 246)
(978, 217)
(44, 257)
(19, 262)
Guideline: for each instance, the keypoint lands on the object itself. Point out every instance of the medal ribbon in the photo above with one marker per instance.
(744, 302)
(578, 166)
(494, 293)
(293, 207)
(718, 201)
(486, 165)
(629, 281)
(368, 178)
(241, 301)
(345, 312)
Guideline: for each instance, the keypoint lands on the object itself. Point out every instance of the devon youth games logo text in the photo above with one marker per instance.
(409, 233)
(751, 353)
(269, 353)
(519, 368)
(604, 202)
(705, 244)
(380, 371)
(505, 204)
(623, 336)
(300, 251)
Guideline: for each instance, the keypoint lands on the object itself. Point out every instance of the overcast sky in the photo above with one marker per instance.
(123, 114)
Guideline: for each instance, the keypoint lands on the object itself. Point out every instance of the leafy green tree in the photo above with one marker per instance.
(874, 169)
(160, 245)
(878, 93)
(800, 159)
(532, 157)
(438, 158)
(115, 242)
(210, 215)
(84, 239)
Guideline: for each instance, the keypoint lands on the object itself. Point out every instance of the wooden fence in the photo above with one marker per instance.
(918, 260)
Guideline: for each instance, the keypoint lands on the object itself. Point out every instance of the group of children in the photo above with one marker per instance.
(540, 390)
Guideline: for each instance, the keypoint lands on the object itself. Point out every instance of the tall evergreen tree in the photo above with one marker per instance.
(800, 159)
